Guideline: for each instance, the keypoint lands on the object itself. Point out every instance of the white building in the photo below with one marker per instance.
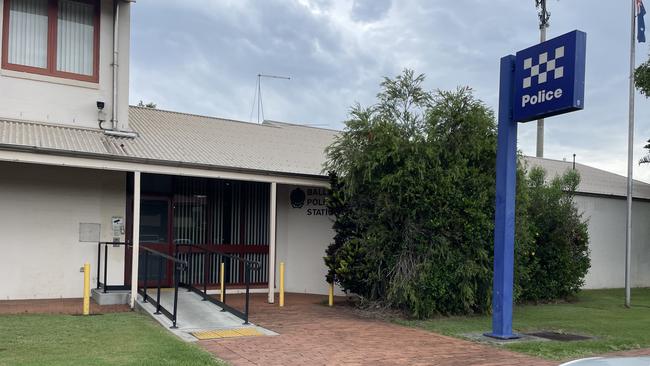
(601, 197)
(79, 166)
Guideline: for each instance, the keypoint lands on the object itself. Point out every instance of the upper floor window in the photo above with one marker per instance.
(52, 37)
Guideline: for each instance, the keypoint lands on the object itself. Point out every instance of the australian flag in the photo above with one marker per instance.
(640, 32)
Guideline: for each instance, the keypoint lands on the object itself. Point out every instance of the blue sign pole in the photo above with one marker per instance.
(504, 229)
(544, 80)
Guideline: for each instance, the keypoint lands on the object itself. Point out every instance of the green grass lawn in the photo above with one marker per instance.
(110, 339)
(598, 313)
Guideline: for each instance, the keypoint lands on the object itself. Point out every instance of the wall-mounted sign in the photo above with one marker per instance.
(311, 200)
(297, 198)
(117, 223)
(550, 77)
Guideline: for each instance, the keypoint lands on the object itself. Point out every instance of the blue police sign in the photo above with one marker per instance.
(550, 77)
(541, 81)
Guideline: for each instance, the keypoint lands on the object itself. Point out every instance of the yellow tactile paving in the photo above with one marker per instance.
(249, 332)
(227, 333)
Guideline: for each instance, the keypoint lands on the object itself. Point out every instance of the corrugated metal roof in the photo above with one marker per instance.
(277, 147)
(189, 139)
(593, 180)
(56, 137)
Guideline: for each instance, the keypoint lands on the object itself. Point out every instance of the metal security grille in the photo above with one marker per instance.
(230, 216)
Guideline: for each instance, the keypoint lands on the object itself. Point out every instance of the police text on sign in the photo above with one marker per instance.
(549, 77)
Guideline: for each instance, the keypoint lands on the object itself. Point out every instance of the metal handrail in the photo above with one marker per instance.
(166, 256)
(104, 285)
(254, 264)
(179, 265)
(248, 266)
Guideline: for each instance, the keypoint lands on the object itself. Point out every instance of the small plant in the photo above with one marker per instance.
(150, 105)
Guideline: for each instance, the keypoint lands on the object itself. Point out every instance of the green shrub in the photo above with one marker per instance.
(559, 258)
(413, 199)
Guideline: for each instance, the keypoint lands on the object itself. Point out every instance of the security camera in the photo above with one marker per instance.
(101, 115)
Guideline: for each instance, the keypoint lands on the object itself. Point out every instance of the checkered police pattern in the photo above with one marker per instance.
(544, 68)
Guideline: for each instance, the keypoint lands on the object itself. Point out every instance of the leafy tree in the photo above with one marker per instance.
(413, 199)
(646, 159)
(642, 83)
(642, 78)
(414, 171)
(559, 258)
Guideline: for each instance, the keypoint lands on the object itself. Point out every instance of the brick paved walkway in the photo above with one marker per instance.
(314, 334)
(55, 306)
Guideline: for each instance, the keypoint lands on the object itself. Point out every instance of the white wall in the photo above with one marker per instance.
(302, 237)
(607, 242)
(40, 211)
(32, 97)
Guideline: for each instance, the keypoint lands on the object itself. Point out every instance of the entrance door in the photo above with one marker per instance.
(155, 230)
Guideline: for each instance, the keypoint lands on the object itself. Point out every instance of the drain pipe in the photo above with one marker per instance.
(115, 128)
(116, 35)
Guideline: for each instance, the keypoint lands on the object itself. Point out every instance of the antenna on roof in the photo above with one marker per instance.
(257, 97)
(574, 161)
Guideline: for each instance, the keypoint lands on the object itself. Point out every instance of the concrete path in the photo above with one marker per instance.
(194, 315)
(314, 334)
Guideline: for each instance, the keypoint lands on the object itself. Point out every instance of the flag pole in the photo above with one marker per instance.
(630, 157)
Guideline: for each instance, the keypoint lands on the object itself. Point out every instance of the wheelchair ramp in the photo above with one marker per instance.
(202, 318)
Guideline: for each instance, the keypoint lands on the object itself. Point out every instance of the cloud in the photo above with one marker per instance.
(369, 10)
(203, 57)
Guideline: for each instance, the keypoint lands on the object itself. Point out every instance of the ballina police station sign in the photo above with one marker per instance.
(550, 77)
(313, 202)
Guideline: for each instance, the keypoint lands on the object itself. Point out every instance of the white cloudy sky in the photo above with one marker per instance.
(202, 56)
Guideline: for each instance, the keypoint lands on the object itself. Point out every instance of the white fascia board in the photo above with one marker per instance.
(82, 162)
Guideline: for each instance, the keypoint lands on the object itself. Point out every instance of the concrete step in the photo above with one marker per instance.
(110, 298)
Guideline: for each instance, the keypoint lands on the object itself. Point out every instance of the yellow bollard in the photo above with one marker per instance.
(330, 300)
(86, 309)
(281, 284)
(222, 278)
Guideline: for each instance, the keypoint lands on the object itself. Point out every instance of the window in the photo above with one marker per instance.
(52, 37)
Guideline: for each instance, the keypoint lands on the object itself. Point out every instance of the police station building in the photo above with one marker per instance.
(79, 167)
(256, 191)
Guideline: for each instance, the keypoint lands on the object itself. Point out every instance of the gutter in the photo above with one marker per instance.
(147, 161)
(610, 196)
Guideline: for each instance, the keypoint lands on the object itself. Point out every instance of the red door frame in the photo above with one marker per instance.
(226, 248)
(168, 249)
